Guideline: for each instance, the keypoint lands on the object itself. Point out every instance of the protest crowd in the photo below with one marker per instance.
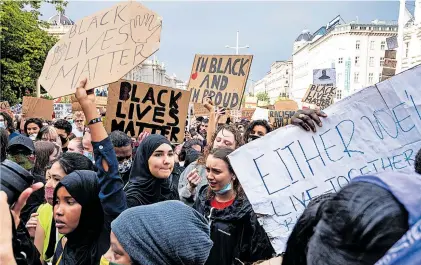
(122, 185)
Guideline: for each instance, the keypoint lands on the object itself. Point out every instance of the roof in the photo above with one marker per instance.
(60, 19)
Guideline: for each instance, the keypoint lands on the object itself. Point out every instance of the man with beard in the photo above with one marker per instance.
(64, 130)
(123, 149)
(21, 150)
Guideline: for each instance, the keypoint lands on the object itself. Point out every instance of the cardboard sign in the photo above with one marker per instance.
(320, 95)
(247, 113)
(62, 110)
(221, 77)
(324, 76)
(4, 105)
(102, 47)
(372, 131)
(101, 101)
(392, 42)
(280, 118)
(389, 65)
(37, 108)
(134, 107)
(200, 110)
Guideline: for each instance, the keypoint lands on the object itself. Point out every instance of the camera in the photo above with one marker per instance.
(14, 180)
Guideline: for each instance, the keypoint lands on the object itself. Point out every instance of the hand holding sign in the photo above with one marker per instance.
(306, 118)
(139, 23)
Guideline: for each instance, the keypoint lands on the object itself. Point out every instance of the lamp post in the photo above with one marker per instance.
(237, 47)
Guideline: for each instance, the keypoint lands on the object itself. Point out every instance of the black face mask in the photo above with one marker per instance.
(63, 140)
(252, 138)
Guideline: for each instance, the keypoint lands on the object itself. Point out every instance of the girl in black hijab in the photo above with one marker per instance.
(150, 178)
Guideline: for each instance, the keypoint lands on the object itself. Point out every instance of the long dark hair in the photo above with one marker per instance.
(37, 121)
(222, 154)
(253, 124)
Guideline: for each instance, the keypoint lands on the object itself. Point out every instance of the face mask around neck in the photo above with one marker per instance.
(225, 189)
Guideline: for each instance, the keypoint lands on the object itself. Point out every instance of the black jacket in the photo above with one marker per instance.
(235, 232)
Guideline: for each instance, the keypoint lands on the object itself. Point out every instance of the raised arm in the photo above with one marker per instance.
(112, 196)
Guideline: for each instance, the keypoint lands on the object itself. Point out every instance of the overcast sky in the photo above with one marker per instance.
(270, 28)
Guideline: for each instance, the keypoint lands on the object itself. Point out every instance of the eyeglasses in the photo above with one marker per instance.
(78, 120)
(122, 158)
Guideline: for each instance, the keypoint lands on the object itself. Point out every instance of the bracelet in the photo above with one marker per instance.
(96, 120)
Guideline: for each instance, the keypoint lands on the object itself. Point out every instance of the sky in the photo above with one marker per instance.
(269, 28)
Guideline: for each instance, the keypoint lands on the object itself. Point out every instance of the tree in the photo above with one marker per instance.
(24, 47)
(263, 96)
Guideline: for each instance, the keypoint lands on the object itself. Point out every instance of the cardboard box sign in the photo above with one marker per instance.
(37, 108)
(280, 118)
(247, 113)
(134, 107)
(200, 110)
(320, 95)
(4, 105)
(221, 77)
(102, 47)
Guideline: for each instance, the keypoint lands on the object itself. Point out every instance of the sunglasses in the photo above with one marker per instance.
(122, 158)
(78, 120)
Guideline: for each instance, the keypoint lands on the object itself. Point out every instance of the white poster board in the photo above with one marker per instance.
(260, 114)
(324, 76)
(377, 129)
(62, 110)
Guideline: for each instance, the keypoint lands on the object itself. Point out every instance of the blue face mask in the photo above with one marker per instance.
(225, 189)
(89, 155)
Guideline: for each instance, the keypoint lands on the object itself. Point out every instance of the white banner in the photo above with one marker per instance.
(375, 130)
(62, 110)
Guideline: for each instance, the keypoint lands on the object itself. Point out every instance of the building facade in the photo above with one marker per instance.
(409, 37)
(150, 71)
(277, 82)
(355, 50)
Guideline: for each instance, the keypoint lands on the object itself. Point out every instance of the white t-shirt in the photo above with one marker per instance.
(76, 132)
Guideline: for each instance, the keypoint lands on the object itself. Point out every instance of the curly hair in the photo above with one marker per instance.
(253, 124)
(231, 128)
(222, 153)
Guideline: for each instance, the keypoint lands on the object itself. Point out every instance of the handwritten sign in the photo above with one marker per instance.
(134, 107)
(280, 118)
(389, 65)
(37, 108)
(4, 105)
(320, 95)
(101, 101)
(62, 110)
(247, 113)
(374, 130)
(102, 47)
(221, 77)
(200, 110)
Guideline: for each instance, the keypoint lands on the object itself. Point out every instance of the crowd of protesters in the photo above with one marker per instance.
(113, 199)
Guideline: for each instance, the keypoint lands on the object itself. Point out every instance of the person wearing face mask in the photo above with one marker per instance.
(75, 145)
(123, 149)
(256, 129)
(150, 178)
(88, 147)
(64, 131)
(144, 235)
(235, 231)
(46, 235)
(193, 177)
(6, 122)
(32, 127)
(21, 150)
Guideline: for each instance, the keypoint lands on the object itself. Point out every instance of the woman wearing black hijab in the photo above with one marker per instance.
(150, 178)
(85, 203)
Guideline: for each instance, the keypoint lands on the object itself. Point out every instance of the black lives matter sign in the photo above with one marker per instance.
(134, 107)
(320, 95)
(221, 77)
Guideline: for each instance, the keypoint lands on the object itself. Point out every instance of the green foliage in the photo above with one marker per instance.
(24, 47)
(263, 96)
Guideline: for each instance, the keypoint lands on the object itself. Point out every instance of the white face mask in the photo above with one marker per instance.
(2, 125)
(33, 136)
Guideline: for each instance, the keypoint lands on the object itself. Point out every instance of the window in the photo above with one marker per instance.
(338, 94)
(286, 82)
(382, 45)
(406, 49)
(357, 45)
(371, 61)
(380, 77)
(339, 78)
(381, 61)
(356, 77)
(370, 78)
(286, 72)
(372, 45)
(340, 60)
(357, 60)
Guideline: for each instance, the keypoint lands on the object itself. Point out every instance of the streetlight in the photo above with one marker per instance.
(237, 47)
